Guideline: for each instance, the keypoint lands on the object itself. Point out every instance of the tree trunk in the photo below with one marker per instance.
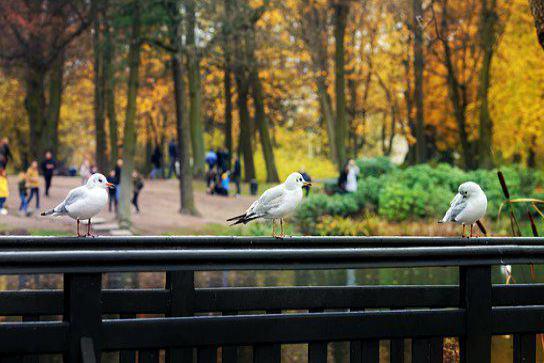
(488, 24)
(36, 109)
(55, 101)
(227, 78)
(421, 140)
(99, 99)
(195, 92)
(262, 124)
(340, 19)
(325, 105)
(109, 75)
(129, 141)
(537, 8)
(245, 127)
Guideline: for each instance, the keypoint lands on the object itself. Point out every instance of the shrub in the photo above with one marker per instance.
(375, 166)
(339, 226)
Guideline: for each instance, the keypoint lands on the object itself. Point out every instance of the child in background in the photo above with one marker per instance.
(22, 193)
(112, 192)
(4, 191)
(33, 182)
(138, 184)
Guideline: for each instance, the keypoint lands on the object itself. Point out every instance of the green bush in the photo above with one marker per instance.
(375, 166)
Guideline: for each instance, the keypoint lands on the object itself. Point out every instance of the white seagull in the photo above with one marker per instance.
(468, 206)
(275, 203)
(84, 202)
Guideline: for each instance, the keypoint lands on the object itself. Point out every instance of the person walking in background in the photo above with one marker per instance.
(306, 177)
(5, 153)
(211, 159)
(21, 186)
(48, 168)
(118, 166)
(85, 171)
(33, 183)
(4, 191)
(237, 175)
(351, 178)
(112, 178)
(138, 184)
(173, 156)
(156, 160)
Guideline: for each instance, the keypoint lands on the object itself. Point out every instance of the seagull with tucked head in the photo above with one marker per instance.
(84, 202)
(275, 203)
(467, 207)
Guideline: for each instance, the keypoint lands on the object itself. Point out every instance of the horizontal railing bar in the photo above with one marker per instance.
(278, 329)
(213, 242)
(32, 337)
(518, 319)
(45, 261)
(155, 301)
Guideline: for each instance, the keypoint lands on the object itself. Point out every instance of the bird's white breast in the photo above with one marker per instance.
(89, 206)
(474, 211)
(289, 203)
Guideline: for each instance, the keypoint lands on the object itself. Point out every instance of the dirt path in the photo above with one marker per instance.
(159, 203)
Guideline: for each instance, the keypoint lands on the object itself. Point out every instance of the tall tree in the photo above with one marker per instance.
(313, 20)
(99, 88)
(195, 90)
(488, 38)
(34, 34)
(129, 140)
(109, 75)
(56, 87)
(227, 75)
(418, 64)
(341, 9)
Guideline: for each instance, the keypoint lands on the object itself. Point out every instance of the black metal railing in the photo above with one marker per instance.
(96, 320)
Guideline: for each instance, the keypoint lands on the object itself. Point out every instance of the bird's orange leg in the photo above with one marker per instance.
(89, 229)
(78, 234)
(464, 231)
(471, 230)
(281, 224)
(274, 228)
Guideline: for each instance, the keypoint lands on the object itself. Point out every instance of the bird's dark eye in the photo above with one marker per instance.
(100, 180)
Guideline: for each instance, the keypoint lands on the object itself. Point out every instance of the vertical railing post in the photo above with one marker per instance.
(83, 311)
(181, 286)
(475, 297)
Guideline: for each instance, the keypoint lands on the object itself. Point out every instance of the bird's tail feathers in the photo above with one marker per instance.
(238, 217)
(47, 212)
(245, 219)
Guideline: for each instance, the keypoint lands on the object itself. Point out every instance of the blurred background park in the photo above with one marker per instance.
(196, 107)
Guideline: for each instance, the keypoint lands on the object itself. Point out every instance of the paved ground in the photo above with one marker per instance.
(159, 202)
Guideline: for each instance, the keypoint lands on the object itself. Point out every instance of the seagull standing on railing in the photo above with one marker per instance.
(468, 206)
(275, 203)
(84, 202)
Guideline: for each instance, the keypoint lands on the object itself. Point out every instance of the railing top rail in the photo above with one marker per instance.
(54, 254)
(101, 242)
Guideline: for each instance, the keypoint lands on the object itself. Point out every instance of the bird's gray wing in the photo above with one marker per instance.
(271, 198)
(456, 206)
(73, 196)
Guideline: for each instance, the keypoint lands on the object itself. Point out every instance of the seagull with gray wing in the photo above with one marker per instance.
(275, 203)
(467, 207)
(84, 202)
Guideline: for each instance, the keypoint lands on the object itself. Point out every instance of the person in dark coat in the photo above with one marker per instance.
(156, 160)
(112, 178)
(306, 177)
(237, 175)
(5, 153)
(48, 168)
(343, 179)
(173, 155)
(138, 184)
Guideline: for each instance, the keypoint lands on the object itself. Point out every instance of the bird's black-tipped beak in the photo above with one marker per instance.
(306, 184)
(110, 185)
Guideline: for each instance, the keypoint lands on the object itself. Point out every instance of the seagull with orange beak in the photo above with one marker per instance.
(275, 203)
(84, 202)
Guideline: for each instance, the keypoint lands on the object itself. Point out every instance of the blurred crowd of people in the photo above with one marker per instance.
(219, 174)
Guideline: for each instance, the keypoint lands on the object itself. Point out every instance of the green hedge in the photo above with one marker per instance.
(421, 191)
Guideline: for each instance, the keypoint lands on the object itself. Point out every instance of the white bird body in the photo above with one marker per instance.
(84, 202)
(275, 203)
(468, 206)
(91, 202)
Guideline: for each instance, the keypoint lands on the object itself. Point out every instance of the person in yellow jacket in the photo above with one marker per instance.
(4, 191)
(33, 183)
